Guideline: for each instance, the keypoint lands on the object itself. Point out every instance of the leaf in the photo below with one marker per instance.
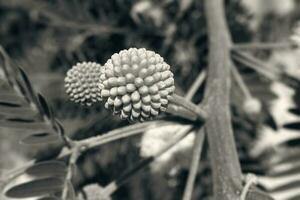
(49, 198)
(10, 110)
(28, 124)
(39, 138)
(8, 98)
(47, 169)
(45, 108)
(35, 188)
(9, 70)
(30, 93)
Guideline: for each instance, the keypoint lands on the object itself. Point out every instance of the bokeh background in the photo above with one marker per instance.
(46, 38)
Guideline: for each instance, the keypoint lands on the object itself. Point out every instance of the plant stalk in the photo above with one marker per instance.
(226, 169)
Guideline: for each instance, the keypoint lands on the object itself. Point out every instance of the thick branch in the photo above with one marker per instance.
(227, 176)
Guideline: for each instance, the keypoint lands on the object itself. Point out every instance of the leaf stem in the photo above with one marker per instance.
(256, 64)
(197, 83)
(262, 46)
(240, 82)
(111, 136)
(189, 106)
(197, 149)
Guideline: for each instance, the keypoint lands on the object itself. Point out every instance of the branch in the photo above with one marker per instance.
(226, 170)
(197, 149)
(263, 46)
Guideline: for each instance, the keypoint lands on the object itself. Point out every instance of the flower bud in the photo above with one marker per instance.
(82, 83)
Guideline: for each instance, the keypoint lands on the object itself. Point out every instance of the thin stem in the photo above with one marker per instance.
(113, 186)
(256, 65)
(198, 144)
(262, 46)
(197, 83)
(113, 135)
(179, 111)
(226, 169)
(190, 106)
(251, 179)
(240, 82)
(72, 164)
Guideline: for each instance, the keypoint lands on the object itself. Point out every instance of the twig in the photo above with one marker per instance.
(111, 136)
(197, 83)
(262, 46)
(71, 167)
(197, 149)
(240, 82)
(193, 108)
(256, 65)
(251, 179)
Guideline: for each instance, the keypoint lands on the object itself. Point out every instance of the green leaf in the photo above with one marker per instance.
(45, 108)
(28, 124)
(25, 83)
(47, 169)
(36, 188)
(10, 110)
(39, 138)
(9, 70)
(11, 98)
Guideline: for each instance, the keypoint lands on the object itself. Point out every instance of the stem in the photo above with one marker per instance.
(197, 83)
(111, 136)
(262, 46)
(251, 179)
(189, 106)
(226, 169)
(256, 64)
(198, 144)
(240, 82)
(72, 165)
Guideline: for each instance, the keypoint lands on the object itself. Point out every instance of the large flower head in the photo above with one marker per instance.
(136, 84)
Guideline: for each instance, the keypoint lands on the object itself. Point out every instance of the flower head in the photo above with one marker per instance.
(136, 84)
(82, 83)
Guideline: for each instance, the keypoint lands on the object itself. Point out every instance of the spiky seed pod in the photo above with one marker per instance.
(137, 84)
(82, 83)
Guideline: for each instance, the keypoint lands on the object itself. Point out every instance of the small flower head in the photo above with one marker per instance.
(82, 83)
(136, 84)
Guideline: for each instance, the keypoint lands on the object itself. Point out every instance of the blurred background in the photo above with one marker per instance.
(46, 38)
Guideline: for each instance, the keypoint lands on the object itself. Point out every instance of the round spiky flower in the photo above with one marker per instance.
(136, 84)
(82, 83)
